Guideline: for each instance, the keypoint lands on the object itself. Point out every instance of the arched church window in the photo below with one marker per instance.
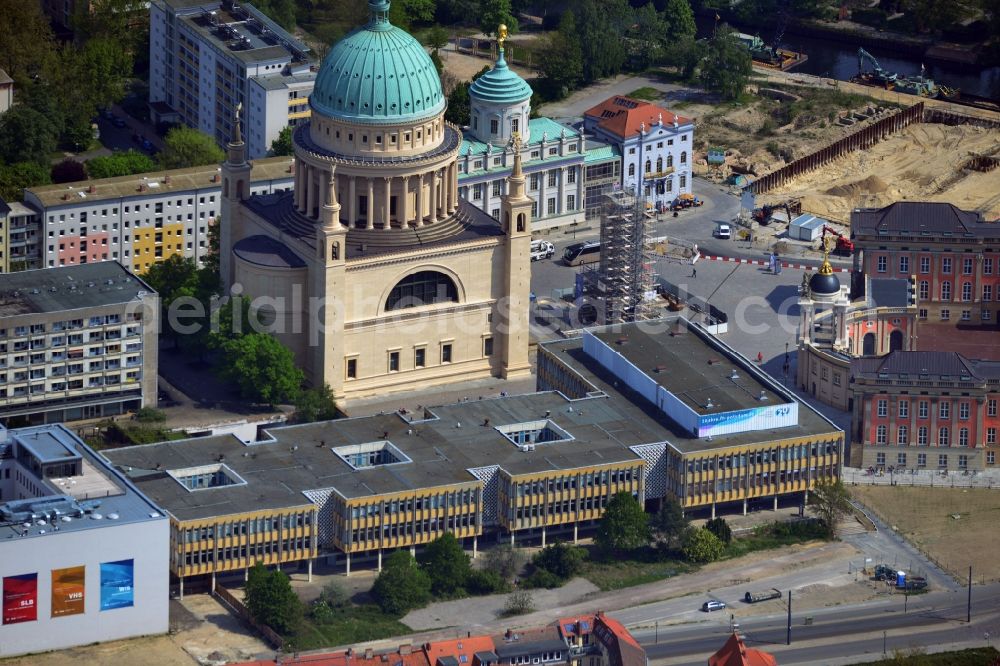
(684, 158)
(515, 124)
(631, 169)
(494, 126)
(335, 250)
(422, 288)
(521, 222)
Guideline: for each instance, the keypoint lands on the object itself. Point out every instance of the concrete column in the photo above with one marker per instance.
(434, 197)
(309, 192)
(386, 206)
(420, 200)
(309, 564)
(413, 551)
(543, 536)
(713, 510)
(352, 205)
(370, 219)
(775, 502)
(453, 187)
(511, 539)
(475, 546)
(380, 560)
(406, 204)
(213, 581)
(576, 527)
(561, 204)
(744, 506)
(348, 561)
(181, 583)
(246, 575)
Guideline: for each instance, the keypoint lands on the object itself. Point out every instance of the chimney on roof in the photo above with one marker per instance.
(91, 189)
(65, 197)
(215, 177)
(369, 652)
(405, 649)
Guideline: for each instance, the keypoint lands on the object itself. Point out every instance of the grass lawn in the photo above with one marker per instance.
(956, 527)
(618, 574)
(353, 625)
(970, 657)
(646, 93)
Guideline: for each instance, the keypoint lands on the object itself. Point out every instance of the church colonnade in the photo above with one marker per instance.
(368, 202)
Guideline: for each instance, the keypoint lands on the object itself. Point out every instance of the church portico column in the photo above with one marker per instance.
(404, 219)
(298, 185)
(387, 206)
(352, 205)
(434, 197)
(370, 204)
(420, 199)
(454, 186)
(310, 192)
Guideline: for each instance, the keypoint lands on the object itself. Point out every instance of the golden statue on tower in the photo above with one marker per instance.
(501, 35)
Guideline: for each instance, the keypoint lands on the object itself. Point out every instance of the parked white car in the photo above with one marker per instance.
(541, 249)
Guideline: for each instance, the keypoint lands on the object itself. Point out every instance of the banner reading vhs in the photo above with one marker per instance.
(116, 584)
(20, 598)
(67, 591)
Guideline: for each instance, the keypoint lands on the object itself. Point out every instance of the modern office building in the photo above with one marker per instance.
(137, 220)
(925, 410)
(83, 554)
(209, 58)
(954, 254)
(20, 237)
(585, 640)
(76, 343)
(668, 413)
(656, 146)
(420, 287)
(564, 170)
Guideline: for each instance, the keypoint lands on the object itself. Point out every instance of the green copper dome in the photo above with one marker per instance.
(500, 85)
(378, 74)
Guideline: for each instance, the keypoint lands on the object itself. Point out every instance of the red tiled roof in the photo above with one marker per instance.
(463, 647)
(734, 653)
(623, 650)
(623, 116)
(570, 626)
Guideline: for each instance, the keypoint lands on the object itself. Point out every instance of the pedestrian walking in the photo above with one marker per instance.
(760, 357)
(694, 272)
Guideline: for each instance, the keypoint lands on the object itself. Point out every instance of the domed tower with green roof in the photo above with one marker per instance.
(381, 277)
(500, 102)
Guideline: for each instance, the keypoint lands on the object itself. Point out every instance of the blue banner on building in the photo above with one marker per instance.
(117, 581)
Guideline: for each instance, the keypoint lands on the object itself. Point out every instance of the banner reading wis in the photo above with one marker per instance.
(117, 580)
(67, 591)
(20, 598)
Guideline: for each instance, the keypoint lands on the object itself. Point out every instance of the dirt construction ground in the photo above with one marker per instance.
(924, 162)
(954, 526)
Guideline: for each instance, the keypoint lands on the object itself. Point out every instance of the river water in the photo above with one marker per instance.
(839, 60)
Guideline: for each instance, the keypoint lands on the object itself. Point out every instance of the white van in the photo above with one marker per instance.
(723, 231)
(541, 249)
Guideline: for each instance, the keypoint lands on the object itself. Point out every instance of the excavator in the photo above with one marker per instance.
(763, 215)
(878, 76)
(844, 244)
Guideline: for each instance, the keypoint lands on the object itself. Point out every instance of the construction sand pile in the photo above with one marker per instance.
(924, 162)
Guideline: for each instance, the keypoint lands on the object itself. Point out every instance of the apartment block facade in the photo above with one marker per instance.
(954, 254)
(137, 220)
(209, 58)
(926, 410)
(77, 342)
(20, 237)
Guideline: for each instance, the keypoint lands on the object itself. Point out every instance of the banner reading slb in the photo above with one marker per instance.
(20, 598)
(116, 584)
(67, 591)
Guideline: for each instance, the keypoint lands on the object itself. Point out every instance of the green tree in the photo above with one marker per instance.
(282, 144)
(105, 68)
(68, 171)
(415, 11)
(562, 61)
(601, 26)
(120, 21)
(518, 602)
(685, 55)
(727, 67)
(271, 599)
(677, 21)
(15, 177)
(493, 14)
(504, 560)
(437, 37)
(438, 63)
(187, 147)
(120, 164)
(624, 525)
(669, 523)
(446, 563)
(315, 404)
(560, 559)
(459, 105)
(455, 11)
(700, 545)
(26, 136)
(720, 528)
(27, 43)
(646, 37)
(281, 12)
(262, 368)
(333, 595)
(174, 278)
(831, 501)
(402, 585)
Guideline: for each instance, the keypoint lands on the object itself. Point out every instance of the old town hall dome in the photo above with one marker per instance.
(378, 74)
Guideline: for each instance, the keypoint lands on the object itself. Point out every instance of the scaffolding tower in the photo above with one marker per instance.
(626, 276)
